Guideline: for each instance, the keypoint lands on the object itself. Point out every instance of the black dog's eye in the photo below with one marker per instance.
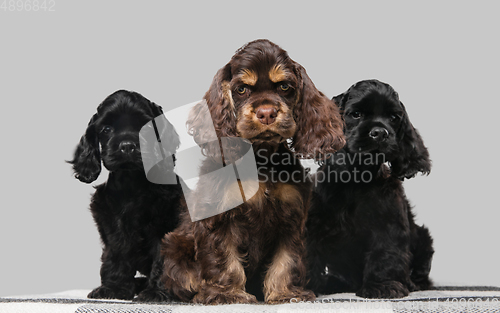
(106, 129)
(394, 117)
(356, 115)
(241, 90)
(284, 86)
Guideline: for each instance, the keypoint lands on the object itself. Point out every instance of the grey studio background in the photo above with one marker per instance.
(56, 67)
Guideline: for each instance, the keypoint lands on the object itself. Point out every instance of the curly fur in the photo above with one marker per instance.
(361, 234)
(256, 250)
(132, 215)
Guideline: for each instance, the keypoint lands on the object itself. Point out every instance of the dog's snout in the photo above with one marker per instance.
(379, 133)
(266, 114)
(127, 147)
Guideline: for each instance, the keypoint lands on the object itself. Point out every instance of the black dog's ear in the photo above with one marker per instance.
(340, 101)
(165, 130)
(413, 156)
(157, 110)
(87, 159)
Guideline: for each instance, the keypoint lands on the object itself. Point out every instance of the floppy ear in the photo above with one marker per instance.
(319, 124)
(340, 101)
(413, 156)
(165, 131)
(220, 103)
(87, 159)
(155, 108)
(215, 112)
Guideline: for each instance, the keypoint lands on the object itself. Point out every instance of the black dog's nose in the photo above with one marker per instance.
(266, 114)
(379, 133)
(127, 147)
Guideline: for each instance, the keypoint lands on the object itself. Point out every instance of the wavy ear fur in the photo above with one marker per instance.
(220, 103)
(220, 114)
(87, 158)
(413, 156)
(319, 124)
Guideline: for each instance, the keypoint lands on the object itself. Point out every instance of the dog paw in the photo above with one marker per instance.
(214, 297)
(423, 284)
(152, 295)
(103, 292)
(388, 290)
(295, 296)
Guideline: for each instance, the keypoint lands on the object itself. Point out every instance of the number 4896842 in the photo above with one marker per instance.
(28, 5)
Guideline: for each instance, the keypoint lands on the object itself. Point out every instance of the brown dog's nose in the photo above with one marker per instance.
(266, 114)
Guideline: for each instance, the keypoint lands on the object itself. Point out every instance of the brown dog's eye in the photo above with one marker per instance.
(394, 117)
(284, 87)
(241, 90)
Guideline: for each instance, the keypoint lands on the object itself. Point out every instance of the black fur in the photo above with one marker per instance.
(362, 236)
(131, 213)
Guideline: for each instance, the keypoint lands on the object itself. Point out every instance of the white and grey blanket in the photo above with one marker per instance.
(443, 299)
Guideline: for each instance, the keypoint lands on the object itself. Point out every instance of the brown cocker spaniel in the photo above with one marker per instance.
(256, 250)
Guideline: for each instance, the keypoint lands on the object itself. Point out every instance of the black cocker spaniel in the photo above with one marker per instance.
(132, 214)
(362, 236)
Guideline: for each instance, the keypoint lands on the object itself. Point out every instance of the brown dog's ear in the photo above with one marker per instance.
(319, 124)
(215, 112)
(221, 104)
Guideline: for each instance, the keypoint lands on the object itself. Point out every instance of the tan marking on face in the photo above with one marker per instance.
(249, 127)
(277, 280)
(277, 73)
(247, 112)
(248, 77)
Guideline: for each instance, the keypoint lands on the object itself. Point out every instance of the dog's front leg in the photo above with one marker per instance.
(222, 271)
(154, 291)
(387, 269)
(285, 277)
(117, 278)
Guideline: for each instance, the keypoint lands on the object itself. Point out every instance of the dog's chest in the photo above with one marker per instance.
(358, 208)
(134, 216)
(274, 201)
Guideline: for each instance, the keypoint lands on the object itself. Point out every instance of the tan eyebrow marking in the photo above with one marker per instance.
(277, 73)
(249, 77)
